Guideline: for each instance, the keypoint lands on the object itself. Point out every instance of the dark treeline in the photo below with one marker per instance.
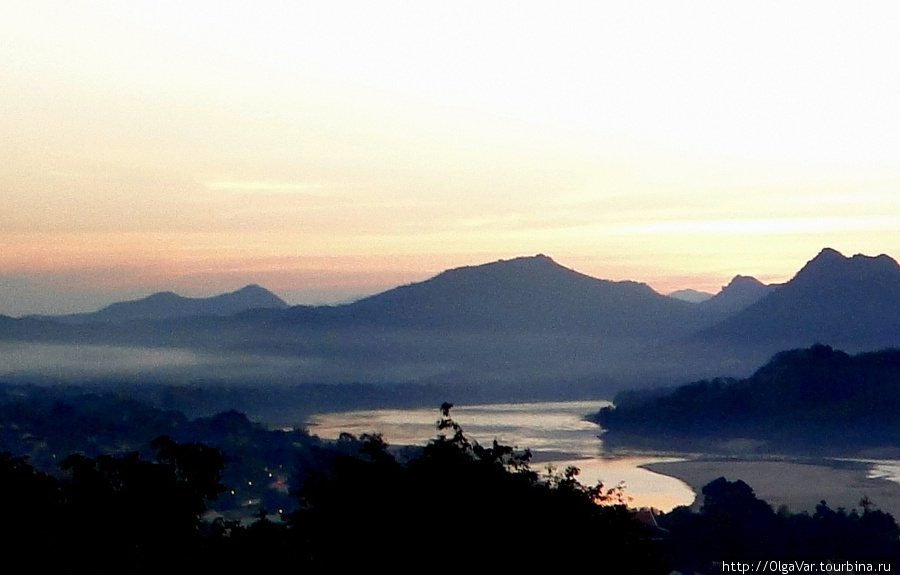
(733, 525)
(278, 404)
(451, 504)
(815, 398)
(452, 501)
(262, 465)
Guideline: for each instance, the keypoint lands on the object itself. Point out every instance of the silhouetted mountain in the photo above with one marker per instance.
(526, 293)
(690, 295)
(740, 293)
(851, 302)
(522, 328)
(819, 396)
(524, 325)
(169, 305)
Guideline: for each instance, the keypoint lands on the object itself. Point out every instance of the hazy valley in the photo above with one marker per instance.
(515, 329)
(103, 385)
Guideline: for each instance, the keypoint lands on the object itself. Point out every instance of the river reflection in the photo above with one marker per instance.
(555, 432)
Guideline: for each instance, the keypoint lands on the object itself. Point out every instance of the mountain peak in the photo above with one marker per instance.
(831, 265)
(252, 296)
(826, 259)
(829, 254)
(846, 301)
(523, 293)
(259, 293)
(882, 260)
(740, 293)
(164, 295)
(537, 259)
(539, 263)
(743, 282)
(169, 305)
(690, 295)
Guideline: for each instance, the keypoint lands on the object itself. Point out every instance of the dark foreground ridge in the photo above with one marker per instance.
(363, 507)
(368, 507)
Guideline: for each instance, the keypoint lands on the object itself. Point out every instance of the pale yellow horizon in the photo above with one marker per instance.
(330, 150)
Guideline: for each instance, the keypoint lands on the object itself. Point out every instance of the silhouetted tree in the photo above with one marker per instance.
(458, 500)
(31, 505)
(734, 525)
(147, 513)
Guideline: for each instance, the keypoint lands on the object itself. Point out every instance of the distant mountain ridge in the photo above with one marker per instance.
(528, 293)
(690, 295)
(741, 292)
(169, 305)
(852, 302)
(526, 321)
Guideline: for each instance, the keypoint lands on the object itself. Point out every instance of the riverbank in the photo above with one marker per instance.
(798, 485)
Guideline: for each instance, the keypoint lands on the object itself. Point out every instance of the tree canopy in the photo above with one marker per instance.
(452, 502)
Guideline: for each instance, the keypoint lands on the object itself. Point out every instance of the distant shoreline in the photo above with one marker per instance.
(798, 485)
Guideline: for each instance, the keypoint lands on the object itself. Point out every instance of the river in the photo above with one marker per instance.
(558, 436)
(555, 432)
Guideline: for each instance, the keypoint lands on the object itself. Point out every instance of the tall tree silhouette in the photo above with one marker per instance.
(457, 499)
(147, 512)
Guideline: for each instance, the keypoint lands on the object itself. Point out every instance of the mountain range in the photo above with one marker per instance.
(523, 323)
(852, 302)
(169, 305)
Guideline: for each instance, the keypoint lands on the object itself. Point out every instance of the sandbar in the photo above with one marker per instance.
(798, 485)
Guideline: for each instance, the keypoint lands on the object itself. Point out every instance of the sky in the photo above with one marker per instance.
(330, 150)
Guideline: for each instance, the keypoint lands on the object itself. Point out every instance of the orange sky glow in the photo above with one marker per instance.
(329, 150)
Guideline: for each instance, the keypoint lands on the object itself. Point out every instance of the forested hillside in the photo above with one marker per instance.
(815, 398)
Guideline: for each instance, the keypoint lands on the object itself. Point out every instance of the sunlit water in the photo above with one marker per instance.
(556, 433)
(883, 469)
